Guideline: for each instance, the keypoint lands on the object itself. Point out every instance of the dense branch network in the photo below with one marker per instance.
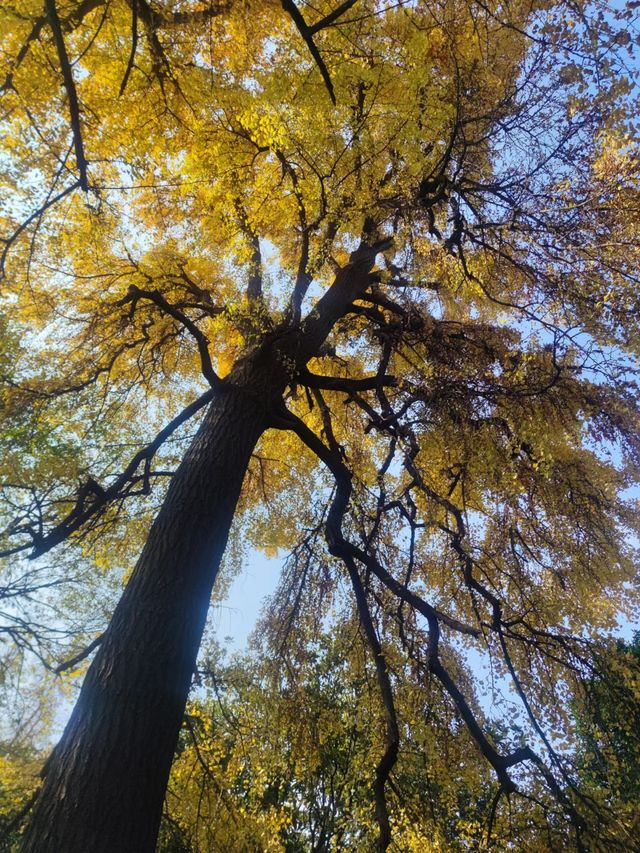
(348, 553)
(155, 20)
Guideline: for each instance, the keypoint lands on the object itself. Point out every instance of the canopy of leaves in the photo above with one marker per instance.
(182, 183)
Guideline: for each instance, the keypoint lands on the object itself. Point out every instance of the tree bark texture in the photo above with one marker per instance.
(104, 785)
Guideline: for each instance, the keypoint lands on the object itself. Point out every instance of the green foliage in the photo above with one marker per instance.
(608, 732)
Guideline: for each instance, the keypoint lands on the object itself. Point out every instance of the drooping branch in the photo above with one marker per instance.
(392, 734)
(345, 550)
(497, 624)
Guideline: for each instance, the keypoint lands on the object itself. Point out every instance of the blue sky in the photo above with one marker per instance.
(235, 617)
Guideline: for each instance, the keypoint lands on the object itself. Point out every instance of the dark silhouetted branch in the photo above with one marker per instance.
(135, 293)
(70, 86)
(76, 659)
(308, 33)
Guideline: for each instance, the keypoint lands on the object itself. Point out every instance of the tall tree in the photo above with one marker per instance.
(386, 257)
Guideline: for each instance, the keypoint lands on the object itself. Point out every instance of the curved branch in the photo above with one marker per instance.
(135, 293)
(345, 550)
(76, 659)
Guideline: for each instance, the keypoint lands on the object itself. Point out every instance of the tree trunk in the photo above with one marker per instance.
(105, 782)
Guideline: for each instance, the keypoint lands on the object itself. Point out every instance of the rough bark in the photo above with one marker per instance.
(104, 785)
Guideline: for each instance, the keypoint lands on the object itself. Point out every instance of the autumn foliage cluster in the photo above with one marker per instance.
(355, 284)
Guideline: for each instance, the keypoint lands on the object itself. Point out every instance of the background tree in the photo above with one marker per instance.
(401, 326)
(608, 746)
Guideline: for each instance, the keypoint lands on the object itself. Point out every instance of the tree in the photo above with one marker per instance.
(400, 305)
(608, 746)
